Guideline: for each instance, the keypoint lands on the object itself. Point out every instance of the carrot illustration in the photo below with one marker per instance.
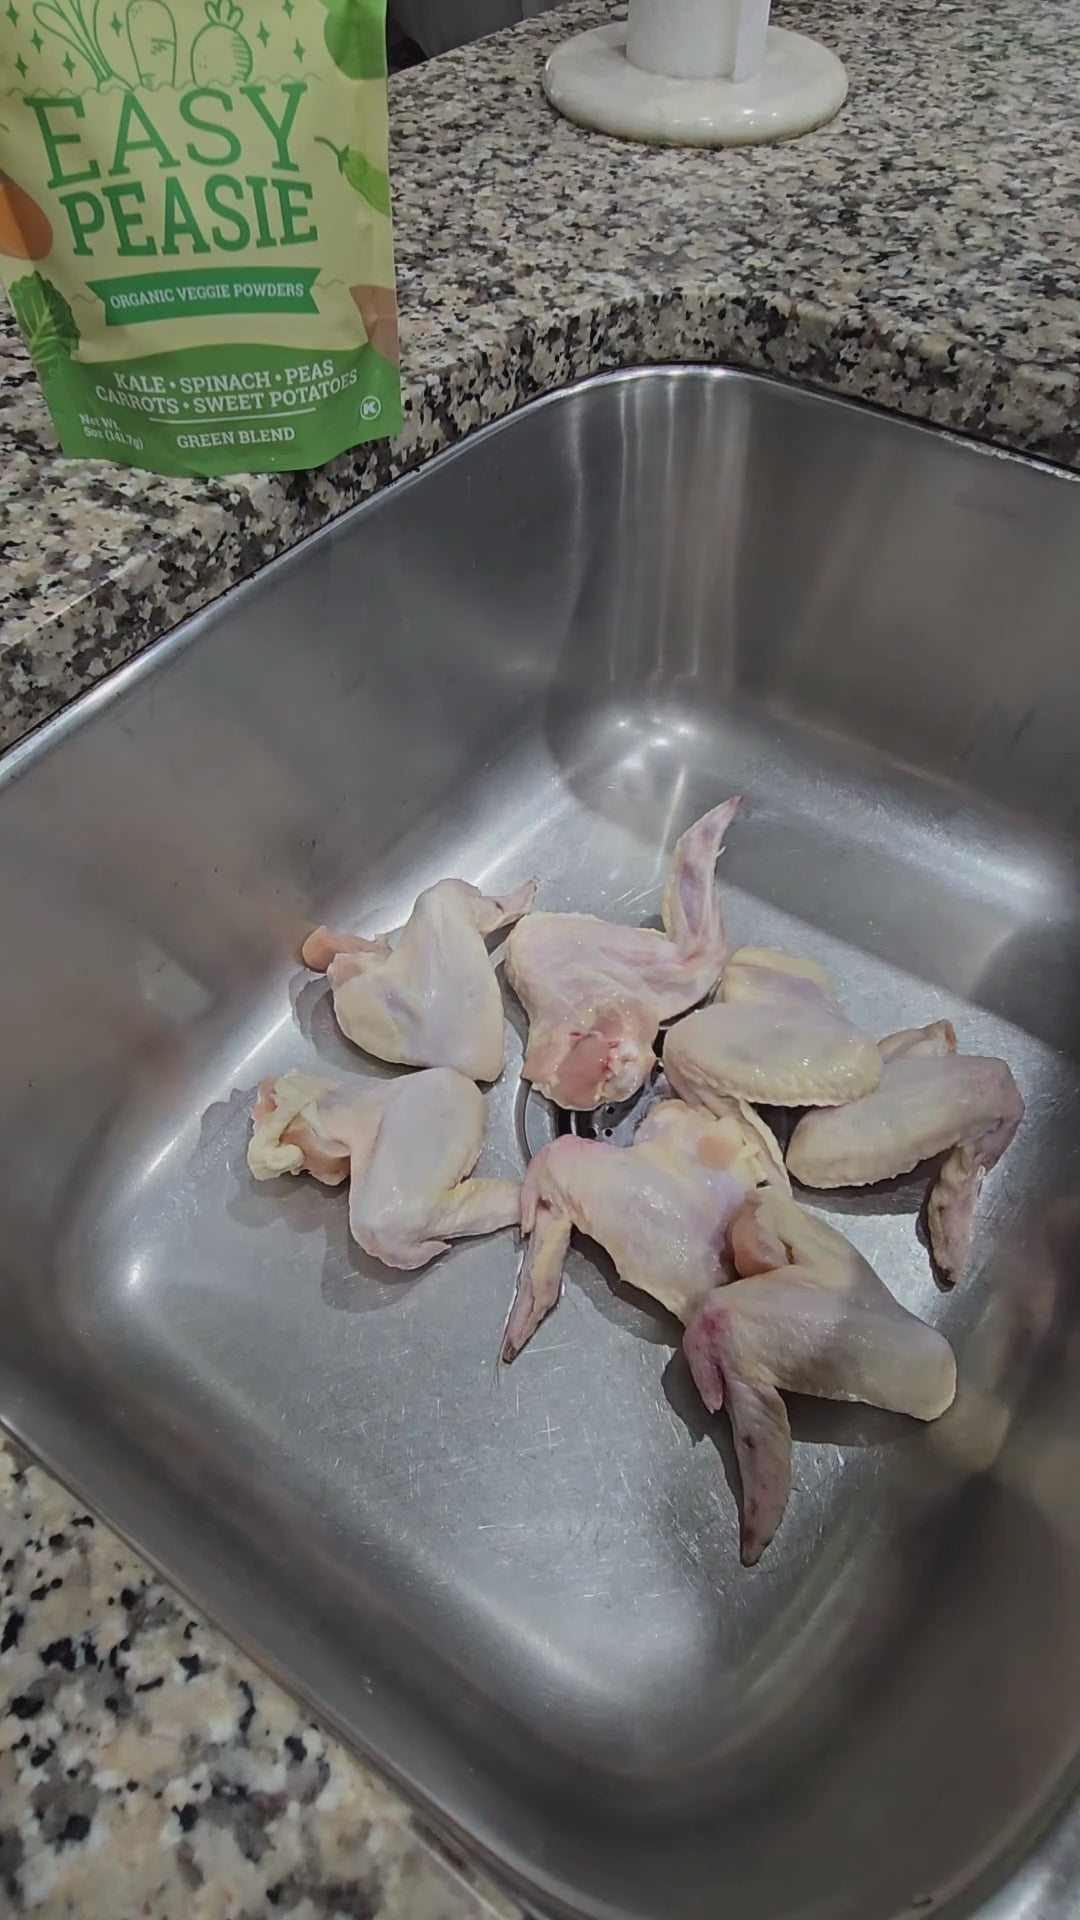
(219, 52)
(151, 34)
(377, 307)
(25, 232)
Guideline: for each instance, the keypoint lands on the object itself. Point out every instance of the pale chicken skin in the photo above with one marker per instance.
(775, 1035)
(811, 1316)
(433, 1000)
(406, 1147)
(931, 1100)
(661, 1207)
(597, 994)
(697, 1213)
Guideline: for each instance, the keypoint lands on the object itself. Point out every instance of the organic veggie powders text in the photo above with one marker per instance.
(195, 227)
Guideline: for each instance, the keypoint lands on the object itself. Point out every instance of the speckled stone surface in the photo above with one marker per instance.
(147, 1769)
(922, 252)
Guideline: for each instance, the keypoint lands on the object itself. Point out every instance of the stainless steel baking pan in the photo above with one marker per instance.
(519, 1592)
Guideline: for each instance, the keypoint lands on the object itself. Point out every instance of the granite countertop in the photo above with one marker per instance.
(148, 1769)
(923, 251)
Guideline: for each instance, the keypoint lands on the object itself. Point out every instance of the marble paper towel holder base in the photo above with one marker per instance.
(702, 73)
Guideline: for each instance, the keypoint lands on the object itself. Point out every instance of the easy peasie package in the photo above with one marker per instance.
(195, 228)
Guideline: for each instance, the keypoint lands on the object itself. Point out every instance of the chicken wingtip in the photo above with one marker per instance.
(315, 953)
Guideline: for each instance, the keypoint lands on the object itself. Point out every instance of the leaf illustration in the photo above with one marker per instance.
(67, 20)
(220, 55)
(47, 322)
(355, 35)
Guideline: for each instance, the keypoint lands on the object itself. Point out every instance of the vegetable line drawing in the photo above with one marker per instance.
(355, 35)
(151, 32)
(361, 174)
(76, 25)
(25, 229)
(219, 51)
(47, 322)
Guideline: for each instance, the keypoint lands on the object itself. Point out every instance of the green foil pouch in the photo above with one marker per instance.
(195, 229)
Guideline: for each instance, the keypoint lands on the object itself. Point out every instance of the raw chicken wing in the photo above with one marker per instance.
(809, 1316)
(433, 1000)
(596, 994)
(931, 1100)
(661, 1207)
(697, 1213)
(776, 1036)
(406, 1147)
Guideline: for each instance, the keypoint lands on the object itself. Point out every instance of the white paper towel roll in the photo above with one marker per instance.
(698, 39)
(436, 25)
